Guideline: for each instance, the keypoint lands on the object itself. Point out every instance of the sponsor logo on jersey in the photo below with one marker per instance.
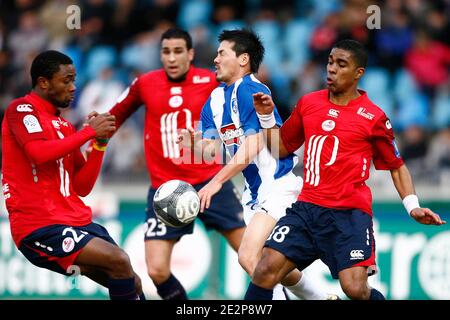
(362, 112)
(328, 125)
(6, 193)
(68, 244)
(175, 101)
(333, 113)
(388, 125)
(357, 255)
(24, 108)
(175, 90)
(231, 134)
(31, 123)
(57, 123)
(197, 79)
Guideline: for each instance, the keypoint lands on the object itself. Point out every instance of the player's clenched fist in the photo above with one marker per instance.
(104, 124)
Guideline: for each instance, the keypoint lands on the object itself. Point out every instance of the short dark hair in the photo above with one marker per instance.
(175, 33)
(46, 64)
(356, 48)
(245, 41)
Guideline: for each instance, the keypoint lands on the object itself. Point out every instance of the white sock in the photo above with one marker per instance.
(306, 289)
(278, 293)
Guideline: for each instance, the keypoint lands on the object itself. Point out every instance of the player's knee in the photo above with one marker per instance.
(264, 274)
(120, 264)
(158, 273)
(356, 291)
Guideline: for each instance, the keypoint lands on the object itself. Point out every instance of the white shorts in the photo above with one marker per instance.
(274, 197)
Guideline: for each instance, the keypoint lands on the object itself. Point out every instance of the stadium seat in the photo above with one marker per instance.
(375, 81)
(413, 110)
(441, 111)
(404, 84)
(323, 8)
(99, 58)
(297, 34)
(143, 57)
(385, 102)
(270, 31)
(194, 13)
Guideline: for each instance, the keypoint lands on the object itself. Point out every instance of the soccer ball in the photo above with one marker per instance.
(176, 203)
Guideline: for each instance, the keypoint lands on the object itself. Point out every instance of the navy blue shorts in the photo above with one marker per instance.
(340, 238)
(57, 246)
(224, 213)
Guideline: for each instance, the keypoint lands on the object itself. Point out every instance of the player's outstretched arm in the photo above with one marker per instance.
(265, 107)
(245, 154)
(128, 103)
(205, 148)
(403, 183)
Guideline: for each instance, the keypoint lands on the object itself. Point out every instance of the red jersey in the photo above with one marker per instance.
(39, 195)
(340, 143)
(169, 107)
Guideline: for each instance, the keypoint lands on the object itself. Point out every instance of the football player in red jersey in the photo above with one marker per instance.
(44, 175)
(173, 97)
(343, 131)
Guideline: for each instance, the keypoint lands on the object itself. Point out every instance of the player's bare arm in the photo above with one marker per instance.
(249, 149)
(264, 107)
(201, 147)
(403, 183)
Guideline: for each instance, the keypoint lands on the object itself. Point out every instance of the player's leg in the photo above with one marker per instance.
(234, 237)
(108, 258)
(352, 252)
(225, 214)
(354, 283)
(101, 278)
(258, 229)
(256, 233)
(304, 287)
(160, 240)
(63, 249)
(158, 254)
(281, 197)
(291, 238)
(269, 271)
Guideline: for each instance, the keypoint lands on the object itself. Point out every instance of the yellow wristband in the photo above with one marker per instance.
(98, 147)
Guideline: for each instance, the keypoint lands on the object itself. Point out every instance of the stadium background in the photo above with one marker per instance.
(408, 76)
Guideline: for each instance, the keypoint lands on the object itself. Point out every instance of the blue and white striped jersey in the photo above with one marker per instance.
(229, 114)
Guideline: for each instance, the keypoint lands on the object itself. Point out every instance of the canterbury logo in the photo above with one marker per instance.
(24, 108)
(169, 127)
(315, 146)
(333, 113)
(356, 254)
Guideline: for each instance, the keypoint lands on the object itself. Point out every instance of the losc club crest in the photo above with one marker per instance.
(175, 101)
(68, 244)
